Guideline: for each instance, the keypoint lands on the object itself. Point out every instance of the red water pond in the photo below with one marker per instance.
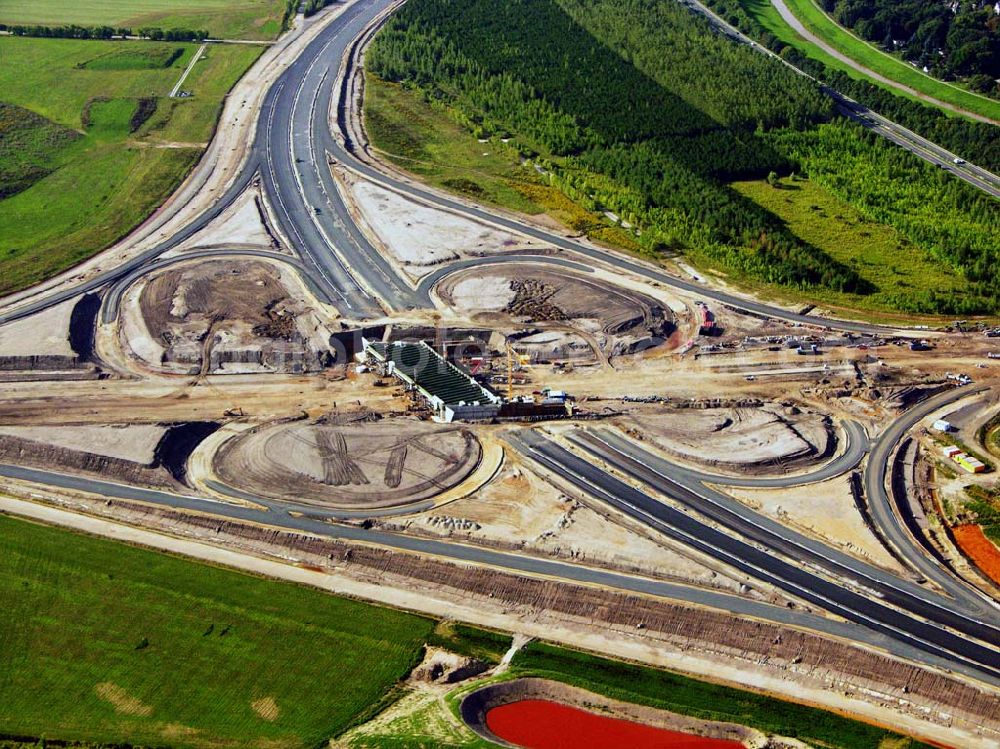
(540, 724)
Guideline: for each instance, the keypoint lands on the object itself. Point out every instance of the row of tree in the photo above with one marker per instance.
(73, 31)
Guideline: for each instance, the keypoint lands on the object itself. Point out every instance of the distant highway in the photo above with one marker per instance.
(930, 152)
(792, 20)
(289, 157)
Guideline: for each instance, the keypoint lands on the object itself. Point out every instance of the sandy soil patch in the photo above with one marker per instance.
(44, 333)
(121, 700)
(266, 708)
(825, 510)
(241, 224)
(520, 510)
(421, 237)
(136, 443)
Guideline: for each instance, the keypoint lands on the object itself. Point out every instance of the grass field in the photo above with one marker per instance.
(30, 147)
(878, 253)
(474, 642)
(110, 179)
(824, 27)
(103, 642)
(226, 19)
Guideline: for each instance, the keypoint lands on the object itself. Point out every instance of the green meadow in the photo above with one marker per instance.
(124, 146)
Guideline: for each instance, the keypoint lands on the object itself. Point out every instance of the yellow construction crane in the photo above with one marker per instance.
(510, 372)
(523, 360)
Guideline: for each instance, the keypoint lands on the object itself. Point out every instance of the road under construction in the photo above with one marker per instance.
(715, 474)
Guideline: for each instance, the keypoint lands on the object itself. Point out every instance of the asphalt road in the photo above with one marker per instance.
(792, 20)
(892, 527)
(677, 482)
(517, 563)
(862, 607)
(115, 292)
(855, 449)
(290, 155)
(291, 148)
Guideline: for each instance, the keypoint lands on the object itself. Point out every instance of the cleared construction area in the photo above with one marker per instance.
(572, 313)
(222, 316)
(754, 439)
(356, 465)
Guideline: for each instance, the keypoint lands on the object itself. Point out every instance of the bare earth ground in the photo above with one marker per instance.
(518, 510)
(135, 443)
(420, 237)
(220, 316)
(825, 510)
(45, 333)
(241, 225)
(744, 438)
(357, 465)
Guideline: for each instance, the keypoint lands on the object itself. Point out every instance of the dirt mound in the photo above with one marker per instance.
(746, 437)
(360, 465)
(231, 316)
(145, 455)
(619, 321)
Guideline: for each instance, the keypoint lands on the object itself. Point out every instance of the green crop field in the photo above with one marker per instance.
(226, 19)
(122, 162)
(102, 642)
(878, 253)
(824, 27)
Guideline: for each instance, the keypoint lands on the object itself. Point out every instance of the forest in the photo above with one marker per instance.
(640, 108)
(952, 40)
(957, 134)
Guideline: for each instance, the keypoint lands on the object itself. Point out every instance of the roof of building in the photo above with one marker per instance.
(422, 365)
